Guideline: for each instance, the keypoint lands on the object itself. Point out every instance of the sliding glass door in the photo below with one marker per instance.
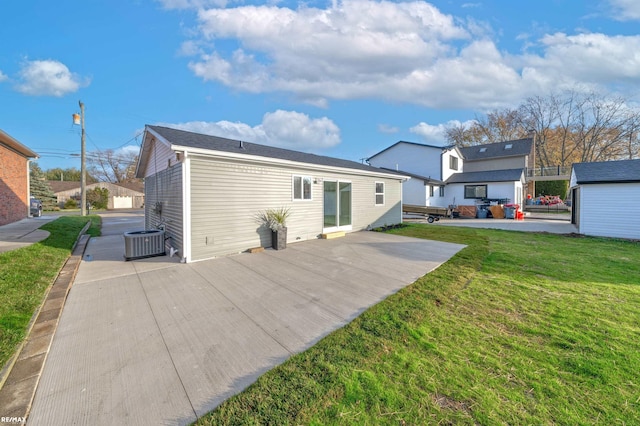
(337, 206)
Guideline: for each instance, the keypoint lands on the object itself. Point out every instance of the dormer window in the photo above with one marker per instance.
(453, 163)
(508, 146)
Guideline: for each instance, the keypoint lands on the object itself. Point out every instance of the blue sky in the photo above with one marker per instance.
(339, 78)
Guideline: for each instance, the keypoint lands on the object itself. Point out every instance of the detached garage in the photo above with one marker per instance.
(606, 198)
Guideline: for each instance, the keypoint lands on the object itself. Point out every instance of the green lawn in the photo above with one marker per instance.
(517, 328)
(26, 273)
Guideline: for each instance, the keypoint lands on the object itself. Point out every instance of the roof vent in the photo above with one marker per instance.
(241, 145)
(508, 146)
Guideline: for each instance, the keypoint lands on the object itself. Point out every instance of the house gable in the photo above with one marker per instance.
(411, 157)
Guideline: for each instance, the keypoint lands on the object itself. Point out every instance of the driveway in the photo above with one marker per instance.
(158, 342)
(23, 232)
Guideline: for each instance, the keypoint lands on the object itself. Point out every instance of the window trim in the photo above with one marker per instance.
(302, 194)
(475, 191)
(453, 159)
(376, 193)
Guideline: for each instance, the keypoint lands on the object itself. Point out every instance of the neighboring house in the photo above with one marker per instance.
(500, 186)
(124, 195)
(14, 179)
(459, 175)
(606, 198)
(422, 191)
(207, 192)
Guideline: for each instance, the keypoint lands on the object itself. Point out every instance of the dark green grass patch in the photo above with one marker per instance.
(26, 273)
(517, 328)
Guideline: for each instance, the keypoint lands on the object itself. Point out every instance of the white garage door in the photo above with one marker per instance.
(122, 202)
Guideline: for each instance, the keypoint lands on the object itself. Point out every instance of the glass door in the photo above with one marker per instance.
(337, 206)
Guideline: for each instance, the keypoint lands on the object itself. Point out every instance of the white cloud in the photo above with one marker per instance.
(385, 128)
(405, 52)
(436, 134)
(626, 10)
(48, 78)
(286, 129)
(590, 59)
(3, 77)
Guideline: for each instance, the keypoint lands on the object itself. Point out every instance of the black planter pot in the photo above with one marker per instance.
(279, 239)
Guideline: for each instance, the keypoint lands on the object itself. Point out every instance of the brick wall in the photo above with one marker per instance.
(13, 186)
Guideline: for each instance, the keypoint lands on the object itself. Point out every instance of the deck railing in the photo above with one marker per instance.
(549, 171)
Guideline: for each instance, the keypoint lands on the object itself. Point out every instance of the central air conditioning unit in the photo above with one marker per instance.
(141, 244)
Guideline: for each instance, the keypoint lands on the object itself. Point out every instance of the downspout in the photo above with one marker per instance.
(186, 208)
(29, 187)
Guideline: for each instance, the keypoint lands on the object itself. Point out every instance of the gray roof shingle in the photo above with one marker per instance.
(622, 171)
(508, 175)
(497, 150)
(215, 143)
(427, 180)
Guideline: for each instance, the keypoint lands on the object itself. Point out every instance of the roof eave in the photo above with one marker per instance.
(16, 146)
(268, 160)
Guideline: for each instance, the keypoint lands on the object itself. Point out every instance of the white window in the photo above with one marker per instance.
(442, 191)
(453, 163)
(379, 193)
(430, 190)
(302, 188)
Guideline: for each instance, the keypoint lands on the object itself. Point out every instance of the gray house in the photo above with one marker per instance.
(207, 191)
(606, 198)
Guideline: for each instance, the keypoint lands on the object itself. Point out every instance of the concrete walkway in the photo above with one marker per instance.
(159, 342)
(23, 233)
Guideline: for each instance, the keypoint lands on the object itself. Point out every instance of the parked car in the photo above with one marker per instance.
(36, 207)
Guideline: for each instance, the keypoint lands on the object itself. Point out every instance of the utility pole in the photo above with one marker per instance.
(83, 168)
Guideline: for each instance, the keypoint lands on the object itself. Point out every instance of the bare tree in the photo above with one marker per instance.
(496, 126)
(601, 128)
(112, 166)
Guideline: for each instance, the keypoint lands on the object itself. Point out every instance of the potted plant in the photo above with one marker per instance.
(276, 220)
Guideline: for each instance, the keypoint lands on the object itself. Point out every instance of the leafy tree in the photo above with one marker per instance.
(40, 188)
(70, 175)
(98, 198)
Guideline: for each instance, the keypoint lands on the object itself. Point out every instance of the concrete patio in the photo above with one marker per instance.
(158, 342)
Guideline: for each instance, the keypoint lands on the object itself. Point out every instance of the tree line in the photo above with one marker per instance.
(567, 127)
(102, 166)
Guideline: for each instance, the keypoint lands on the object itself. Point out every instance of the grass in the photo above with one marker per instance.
(26, 273)
(517, 328)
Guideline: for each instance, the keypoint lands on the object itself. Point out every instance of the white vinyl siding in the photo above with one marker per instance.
(166, 188)
(598, 218)
(505, 163)
(161, 158)
(226, 196)
(406, 157)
